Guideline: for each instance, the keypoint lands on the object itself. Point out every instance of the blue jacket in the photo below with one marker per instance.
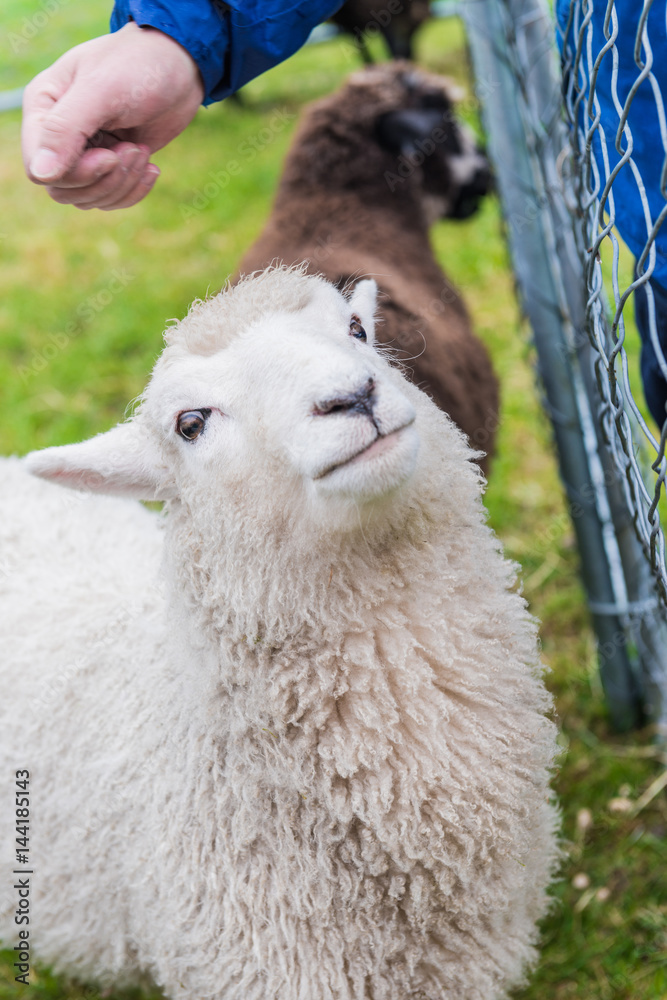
(231, 42)
(648, 153)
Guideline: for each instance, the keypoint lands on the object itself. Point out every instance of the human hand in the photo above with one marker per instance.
(92, 120)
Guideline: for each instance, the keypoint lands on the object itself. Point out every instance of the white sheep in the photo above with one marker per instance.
(315, 763)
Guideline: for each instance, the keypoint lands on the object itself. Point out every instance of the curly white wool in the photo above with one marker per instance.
(316, 764)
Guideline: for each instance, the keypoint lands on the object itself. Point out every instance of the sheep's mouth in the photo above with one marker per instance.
(378, 445)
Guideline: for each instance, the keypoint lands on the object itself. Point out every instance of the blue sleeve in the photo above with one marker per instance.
(231, 43)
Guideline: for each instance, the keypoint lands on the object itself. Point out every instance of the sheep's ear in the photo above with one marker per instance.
(363, 302)
(122, 462)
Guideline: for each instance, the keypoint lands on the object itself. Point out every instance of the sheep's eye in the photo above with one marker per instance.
(357, 330)
(191, 423)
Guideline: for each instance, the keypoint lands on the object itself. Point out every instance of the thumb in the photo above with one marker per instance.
(57, 127)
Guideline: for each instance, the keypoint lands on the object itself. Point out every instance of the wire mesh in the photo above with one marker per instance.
(561, 206)
(617, 165)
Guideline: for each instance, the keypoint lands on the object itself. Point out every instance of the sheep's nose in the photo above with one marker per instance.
(360, 401)
(469, 194)
(483, 182)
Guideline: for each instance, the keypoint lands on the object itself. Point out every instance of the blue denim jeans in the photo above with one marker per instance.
(655, 384)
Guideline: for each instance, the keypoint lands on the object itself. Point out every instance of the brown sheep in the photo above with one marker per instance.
(370, 168)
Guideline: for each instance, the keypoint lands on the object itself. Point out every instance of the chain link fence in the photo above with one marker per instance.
(605, 86)
(562, 146)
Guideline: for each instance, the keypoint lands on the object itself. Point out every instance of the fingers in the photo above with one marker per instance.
(144, 186)
(128, 197)
(91, 167)
(39, 98)
(126, 182)
(58, 118)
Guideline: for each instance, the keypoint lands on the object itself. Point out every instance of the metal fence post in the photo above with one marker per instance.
(11, 100)
(512, 45)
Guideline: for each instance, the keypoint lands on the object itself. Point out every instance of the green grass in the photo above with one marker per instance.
(108, 283)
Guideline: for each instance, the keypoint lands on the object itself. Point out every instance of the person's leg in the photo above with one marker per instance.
(655, 383)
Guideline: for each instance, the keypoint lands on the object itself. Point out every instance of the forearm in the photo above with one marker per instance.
(199, 26)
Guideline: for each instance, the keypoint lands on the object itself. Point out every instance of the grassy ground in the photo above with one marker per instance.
(83, 300)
